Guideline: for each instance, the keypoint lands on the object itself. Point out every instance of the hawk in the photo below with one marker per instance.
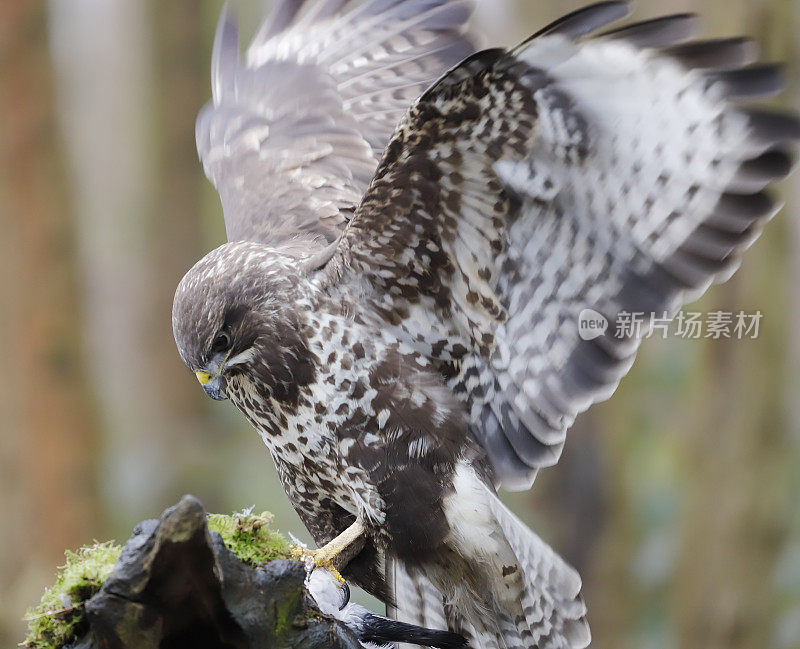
(410, 248)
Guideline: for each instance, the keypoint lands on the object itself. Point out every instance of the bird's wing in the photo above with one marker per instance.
(292, 135)
(618, 173)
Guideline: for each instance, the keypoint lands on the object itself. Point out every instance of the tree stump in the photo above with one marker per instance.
(177, 585)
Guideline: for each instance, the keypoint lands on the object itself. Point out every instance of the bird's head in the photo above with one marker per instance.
(230, 315)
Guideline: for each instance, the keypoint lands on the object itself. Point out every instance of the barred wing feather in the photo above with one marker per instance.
(620, 173)
(293, 134)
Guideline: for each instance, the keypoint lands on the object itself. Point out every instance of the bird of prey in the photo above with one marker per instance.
(413, 230)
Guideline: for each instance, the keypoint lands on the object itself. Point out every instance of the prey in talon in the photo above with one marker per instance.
(373, 630)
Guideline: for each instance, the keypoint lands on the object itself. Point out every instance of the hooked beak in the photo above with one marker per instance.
(211, 385)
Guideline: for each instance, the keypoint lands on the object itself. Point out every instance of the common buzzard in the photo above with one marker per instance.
(396, 310)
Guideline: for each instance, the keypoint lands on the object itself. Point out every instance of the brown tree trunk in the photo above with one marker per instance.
(46, 471)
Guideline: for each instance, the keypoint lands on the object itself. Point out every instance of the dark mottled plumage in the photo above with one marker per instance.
(403, 334)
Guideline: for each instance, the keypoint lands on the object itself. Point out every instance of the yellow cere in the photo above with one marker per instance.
(203, 377)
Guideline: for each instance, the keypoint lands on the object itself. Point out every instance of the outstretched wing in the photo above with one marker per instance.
(619, 173)
(293, 135)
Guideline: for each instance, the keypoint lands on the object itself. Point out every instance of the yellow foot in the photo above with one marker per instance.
(345, 543)
(322, 558)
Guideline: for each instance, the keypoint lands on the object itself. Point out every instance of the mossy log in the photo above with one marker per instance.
(176, 584)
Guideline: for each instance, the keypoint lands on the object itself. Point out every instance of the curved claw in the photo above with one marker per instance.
(345, 596)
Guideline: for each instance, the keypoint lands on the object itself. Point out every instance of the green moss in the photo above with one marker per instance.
(249, 536)
(60, 617)
(285, 614)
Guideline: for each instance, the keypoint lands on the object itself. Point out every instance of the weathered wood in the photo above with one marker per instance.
(177, 585)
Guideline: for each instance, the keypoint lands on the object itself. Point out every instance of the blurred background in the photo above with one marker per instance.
(678, 500)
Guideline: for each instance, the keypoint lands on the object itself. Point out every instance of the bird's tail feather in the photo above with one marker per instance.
(548, 613)
(417, 601)
(552, 605)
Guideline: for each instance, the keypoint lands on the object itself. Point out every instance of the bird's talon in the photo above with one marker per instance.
(317, 559)
(335, 574)
(304, 556)
(299, 553)
(345, 595)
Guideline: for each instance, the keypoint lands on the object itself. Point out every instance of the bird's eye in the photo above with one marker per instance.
(221, 342)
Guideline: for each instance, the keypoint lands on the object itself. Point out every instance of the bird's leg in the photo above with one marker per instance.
(336, 553)
(343, 548)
